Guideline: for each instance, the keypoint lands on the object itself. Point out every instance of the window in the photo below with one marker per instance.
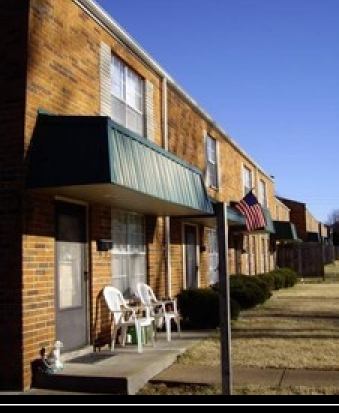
(127, 89)
(212, 170)
(253, 247)
(263, 255)
(213, 256)
(262, 193)
(129, 251)
(247, 180)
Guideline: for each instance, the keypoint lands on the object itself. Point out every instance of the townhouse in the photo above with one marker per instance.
(109, 174)
(308, 245)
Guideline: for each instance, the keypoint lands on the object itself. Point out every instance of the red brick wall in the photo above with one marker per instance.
(63, 78)
(297, 216)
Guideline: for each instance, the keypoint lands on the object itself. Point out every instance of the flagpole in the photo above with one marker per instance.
(224, 299)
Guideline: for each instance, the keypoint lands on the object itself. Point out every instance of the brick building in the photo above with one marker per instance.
(109, 173)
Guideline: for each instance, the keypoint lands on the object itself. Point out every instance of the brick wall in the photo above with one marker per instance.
(297, 216)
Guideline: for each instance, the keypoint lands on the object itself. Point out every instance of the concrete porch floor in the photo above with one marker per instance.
(123, 371)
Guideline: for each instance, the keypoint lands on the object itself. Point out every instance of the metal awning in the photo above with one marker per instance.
(234, 218)
(313, 237)
(93, 159)
(269, 228)
(285, 231)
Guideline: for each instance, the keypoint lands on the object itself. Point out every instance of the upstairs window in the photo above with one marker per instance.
(212, 167)
(127, 90)
(247, 180)
(262, 193)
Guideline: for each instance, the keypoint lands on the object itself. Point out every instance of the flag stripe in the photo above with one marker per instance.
(253, 212)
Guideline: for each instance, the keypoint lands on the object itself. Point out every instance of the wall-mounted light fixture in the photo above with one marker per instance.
(104, 245)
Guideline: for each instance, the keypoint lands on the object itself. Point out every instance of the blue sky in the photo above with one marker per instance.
(267, 71)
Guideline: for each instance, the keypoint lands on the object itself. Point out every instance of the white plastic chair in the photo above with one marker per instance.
(124, 316)
(161, 310)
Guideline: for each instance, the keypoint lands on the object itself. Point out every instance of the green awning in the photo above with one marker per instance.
(269, 228)
(285, 231)
(313, 237)
(235, 217)
(92, 158)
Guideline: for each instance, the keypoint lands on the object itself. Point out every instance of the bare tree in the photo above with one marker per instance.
(333, 217)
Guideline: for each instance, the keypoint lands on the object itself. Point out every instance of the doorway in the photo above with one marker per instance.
(71, 284)
(191, 258)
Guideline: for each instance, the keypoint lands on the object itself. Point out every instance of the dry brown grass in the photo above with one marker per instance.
(298, 328)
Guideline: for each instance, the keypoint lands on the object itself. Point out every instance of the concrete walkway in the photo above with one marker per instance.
(125, 371)
(204, 375)
(179, 374)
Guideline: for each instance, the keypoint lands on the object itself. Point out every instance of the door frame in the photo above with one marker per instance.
(67, 203)
(197, 257)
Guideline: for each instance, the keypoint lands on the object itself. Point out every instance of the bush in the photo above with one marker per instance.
(249, 291)
(281, 278)
(199, 308)
(291, 277)
(235, 309)
(268, 278)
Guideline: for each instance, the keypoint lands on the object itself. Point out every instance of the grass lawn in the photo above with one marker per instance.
(297, 328)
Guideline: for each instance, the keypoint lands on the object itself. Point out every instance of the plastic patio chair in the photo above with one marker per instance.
(124, 316)
(161, 310)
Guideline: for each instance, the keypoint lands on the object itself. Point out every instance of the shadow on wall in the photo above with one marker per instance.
(102, 324)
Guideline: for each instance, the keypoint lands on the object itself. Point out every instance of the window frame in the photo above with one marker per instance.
(212, 173)
(247, 177)
(263, 193)
(128, 94)
(129, 251)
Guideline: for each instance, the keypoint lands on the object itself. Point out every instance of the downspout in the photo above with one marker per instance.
(167, 220)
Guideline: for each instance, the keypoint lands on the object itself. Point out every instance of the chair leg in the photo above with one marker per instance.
(114, 337)
(152, 332)
(168, 328)
(177, 320)
(154, 328)
(123, 334)
(139, 337)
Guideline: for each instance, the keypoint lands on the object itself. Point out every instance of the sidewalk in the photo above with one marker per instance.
(125, 372)
(179, 374)
(204, 375)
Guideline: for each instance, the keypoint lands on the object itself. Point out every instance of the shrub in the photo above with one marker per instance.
(279, 280)
(235, 309)
(199, 308)
(249, 291)
(268, 278)
(291, 276)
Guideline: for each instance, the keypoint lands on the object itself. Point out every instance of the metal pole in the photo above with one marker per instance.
(224, 299)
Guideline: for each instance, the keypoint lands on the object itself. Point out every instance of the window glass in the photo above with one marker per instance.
(211, 151)
(262, 193)
(247, 178)
(213, 257)
(127, 97)
(129, 251)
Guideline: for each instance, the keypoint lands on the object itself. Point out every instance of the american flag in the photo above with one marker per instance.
(250, 207)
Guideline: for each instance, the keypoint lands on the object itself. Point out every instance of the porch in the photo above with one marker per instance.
(122, 372)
